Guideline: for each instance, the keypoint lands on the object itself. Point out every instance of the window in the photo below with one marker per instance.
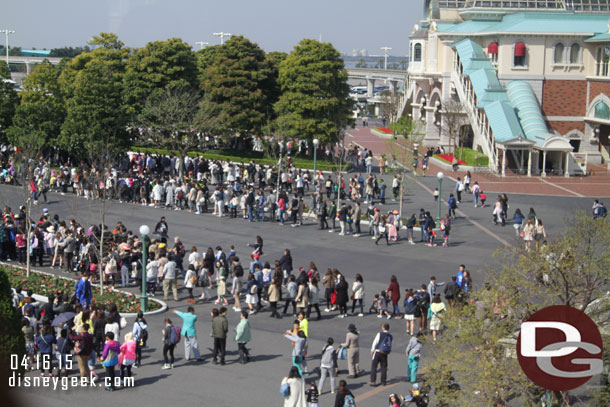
(575, 57)
(558, 54)
(520, 54)
(492, 51)
(602, 111)
(602, 61)
(417, 53)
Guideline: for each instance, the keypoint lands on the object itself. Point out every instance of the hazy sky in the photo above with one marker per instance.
(276, 25)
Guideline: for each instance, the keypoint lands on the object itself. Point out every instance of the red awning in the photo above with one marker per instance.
(492, 48)
(520, 49)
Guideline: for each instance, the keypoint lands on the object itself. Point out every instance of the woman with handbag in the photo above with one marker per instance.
(190, 281)
(358, 294)
(437, 307)
(353, 350)
(383, 231)
(539, 233)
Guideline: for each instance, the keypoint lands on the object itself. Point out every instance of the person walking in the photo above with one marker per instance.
(413, 353)
(273, 294)
(358, 294)
(170, 338)
(299, 348)
(436, 310)
(344, 397)
(528, 234)
(314, 297)
(353, 351)
(83, 347)
(328, 281)
(341, 301)
(243, 335)
(381, 348)
(169, 278)
(294, 395)
(110, 358)
(328, 366)
(518, 221)
(220, 327)
(394, 291)
(128, 352)
(190, 333)
(539, 233)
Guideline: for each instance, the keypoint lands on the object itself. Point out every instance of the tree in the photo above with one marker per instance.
(68, 52)
(315, 101)
(160, 64)
(452, 118)
(361, 63)
(42, 108)
(273, 89)
(403, 64)
(176, 119)
(379, 64)
(8, 100)
(389, 105)
(237, 83)
(571, 269)
(93, 85)
(205, 59)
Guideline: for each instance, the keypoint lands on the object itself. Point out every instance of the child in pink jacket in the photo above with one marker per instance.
(127, 355)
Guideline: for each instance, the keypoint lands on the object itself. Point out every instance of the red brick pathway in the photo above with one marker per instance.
(596, 185)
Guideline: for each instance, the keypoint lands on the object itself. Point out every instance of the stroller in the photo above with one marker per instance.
(419, 396)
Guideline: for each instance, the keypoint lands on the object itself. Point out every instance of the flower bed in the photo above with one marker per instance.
(384, 130)
(45, 285)
(449, 158)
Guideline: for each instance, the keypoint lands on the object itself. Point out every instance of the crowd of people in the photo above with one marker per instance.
(252, 285)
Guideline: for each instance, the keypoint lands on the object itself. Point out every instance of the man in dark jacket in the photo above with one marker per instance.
(220, 327)
(451, 290)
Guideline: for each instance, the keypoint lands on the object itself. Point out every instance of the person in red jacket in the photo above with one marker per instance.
(394, 291)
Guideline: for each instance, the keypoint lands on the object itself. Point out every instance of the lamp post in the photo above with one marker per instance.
(315, 156)
(385, 50)
(144, 231)
(439, 176)
(7, 32)
(222, 36)
(202, 44)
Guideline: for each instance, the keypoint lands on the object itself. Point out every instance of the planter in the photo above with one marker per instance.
(44, 284)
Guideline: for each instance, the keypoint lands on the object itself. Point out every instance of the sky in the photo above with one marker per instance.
(276, 25)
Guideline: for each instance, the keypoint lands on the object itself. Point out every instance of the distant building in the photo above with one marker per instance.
(364, 52)
(532, 77)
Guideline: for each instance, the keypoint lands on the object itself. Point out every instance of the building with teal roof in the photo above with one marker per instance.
(531, 79)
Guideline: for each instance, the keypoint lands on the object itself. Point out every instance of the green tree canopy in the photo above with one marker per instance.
(8, 99)
(93, 86)
(156, 66)
(237, 83)
(42, 108)
(205, 58)
(315, 98)
(478, 347)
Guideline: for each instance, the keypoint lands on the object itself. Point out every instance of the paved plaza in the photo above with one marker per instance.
(473, 241)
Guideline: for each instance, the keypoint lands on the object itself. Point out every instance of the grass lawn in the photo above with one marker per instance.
(246, 157)
(473, 158)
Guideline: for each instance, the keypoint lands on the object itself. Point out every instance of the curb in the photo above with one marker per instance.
(43, 298)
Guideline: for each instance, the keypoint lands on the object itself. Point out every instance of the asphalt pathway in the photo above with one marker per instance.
(474, 238)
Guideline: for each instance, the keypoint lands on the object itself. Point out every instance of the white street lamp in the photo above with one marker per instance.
(202, 44)
(315, 151)
(440, 177)
(144, 231)
(222, 36)
(385, 49)
(7, 32)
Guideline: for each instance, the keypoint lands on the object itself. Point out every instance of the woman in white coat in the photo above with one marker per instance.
(296, 396)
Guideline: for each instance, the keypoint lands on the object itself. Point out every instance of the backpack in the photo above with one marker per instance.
(174, 335)
(143, 335)
(385, 343)
(285, 389)
(349, 401)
